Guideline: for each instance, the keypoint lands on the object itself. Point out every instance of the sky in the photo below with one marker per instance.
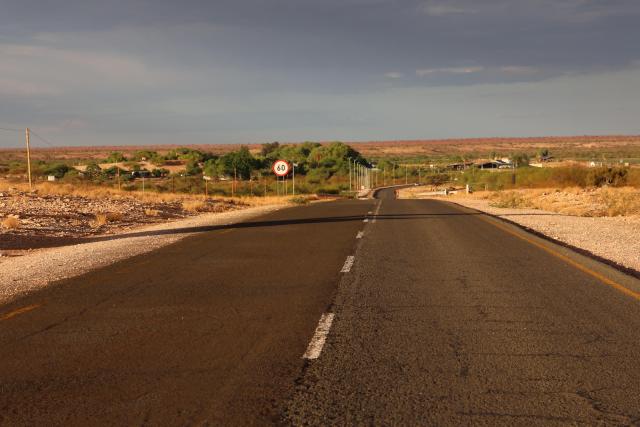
(117, 72)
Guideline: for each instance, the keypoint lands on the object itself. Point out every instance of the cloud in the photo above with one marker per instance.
(20, 88)
(518, 69)
(104, 64)
(394, 75)
(423, 72)
(440, 8)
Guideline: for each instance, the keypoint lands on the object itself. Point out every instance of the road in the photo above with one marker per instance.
(429, 314)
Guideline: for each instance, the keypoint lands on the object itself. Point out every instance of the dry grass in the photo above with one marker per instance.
(510, 199)
(105, 218)
(102, 192)
(152, 212)
(11, 222)
(575, 201)
(591, 202)
(194, 205)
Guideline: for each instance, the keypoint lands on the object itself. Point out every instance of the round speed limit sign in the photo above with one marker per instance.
(281, 167)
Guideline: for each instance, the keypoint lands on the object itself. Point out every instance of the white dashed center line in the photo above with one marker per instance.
(366, 220)
(375, 215)
(360, 234)
(319, 337)
(348, 264)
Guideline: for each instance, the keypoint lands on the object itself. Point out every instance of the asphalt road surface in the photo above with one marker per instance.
(383, 312)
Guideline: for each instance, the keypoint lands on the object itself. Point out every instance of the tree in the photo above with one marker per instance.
(115, 157)
(93, 170)
(192, 168)
(520, 159)
(57, 169)
(268, 148)
(239, 163)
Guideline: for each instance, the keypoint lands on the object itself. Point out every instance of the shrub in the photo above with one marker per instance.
(299, 200)
(328, 190)
(57, 169)
(104, 218)
(99, 220)
(11, 222)
(193, 205)
(509, 199)
(615, 177)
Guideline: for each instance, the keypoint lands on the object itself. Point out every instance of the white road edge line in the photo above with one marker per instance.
(360, 234)
(319, 337)
(348, 264)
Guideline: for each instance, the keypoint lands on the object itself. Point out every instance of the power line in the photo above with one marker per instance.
(42, 139)
(11, 130)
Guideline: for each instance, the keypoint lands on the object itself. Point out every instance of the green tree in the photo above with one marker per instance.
(240, 162)
(115, 157)
(192, 168)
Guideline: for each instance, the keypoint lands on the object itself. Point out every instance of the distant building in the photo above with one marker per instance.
(460, 166)
(493, 164)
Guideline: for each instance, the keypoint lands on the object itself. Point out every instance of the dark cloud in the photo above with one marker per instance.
(90, 58)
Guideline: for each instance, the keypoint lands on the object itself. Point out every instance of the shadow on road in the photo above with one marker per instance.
(279, 223)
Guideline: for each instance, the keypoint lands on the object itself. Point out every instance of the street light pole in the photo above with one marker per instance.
(293, 186)
(350, 189)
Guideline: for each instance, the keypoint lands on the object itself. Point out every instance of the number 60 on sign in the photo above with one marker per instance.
(281, 167)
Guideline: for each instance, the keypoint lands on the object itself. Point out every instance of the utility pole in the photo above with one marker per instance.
(118, 176)
(233, 184)
(406, 175)
(350, 189)
(29, 159)
(293, 191)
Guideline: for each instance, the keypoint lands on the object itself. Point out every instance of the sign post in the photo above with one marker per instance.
(281, 168)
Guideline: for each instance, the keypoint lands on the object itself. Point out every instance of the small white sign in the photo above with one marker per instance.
(281, 167)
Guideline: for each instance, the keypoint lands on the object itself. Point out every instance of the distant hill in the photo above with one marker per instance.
(569, 145)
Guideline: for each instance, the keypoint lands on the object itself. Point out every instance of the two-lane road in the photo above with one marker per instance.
(442, 316)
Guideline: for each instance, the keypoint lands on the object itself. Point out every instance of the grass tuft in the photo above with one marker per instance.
(104, 218)
(11, 222)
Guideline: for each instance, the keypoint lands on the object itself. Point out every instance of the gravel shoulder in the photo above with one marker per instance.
(611, 238)
(37, 269)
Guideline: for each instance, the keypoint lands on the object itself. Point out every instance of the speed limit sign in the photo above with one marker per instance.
(281, 167)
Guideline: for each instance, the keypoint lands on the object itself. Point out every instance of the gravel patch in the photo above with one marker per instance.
(613, 238)
(50, 220)
(37, 269)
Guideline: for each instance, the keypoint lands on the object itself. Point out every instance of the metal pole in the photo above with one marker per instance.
(294, 179)
(356, 171)
(350, 189)
(29, 159)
